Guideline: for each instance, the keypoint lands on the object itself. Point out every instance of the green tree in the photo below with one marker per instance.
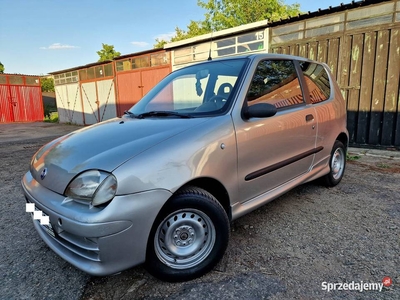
(160, 43)
(223, 14)
(1, 68)
(107, 53)
(47, 84)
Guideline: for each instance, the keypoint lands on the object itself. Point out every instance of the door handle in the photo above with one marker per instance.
(309, 118)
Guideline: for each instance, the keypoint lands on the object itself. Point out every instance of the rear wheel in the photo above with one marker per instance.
(189, 236)
(337, 165)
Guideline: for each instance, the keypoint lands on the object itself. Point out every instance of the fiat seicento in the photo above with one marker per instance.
(211, 142)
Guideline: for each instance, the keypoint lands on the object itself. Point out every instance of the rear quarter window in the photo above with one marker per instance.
(317, 81)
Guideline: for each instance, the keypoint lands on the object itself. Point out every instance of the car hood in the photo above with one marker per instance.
(103, 146)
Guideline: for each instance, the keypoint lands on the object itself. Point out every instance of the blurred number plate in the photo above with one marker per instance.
(48, 228)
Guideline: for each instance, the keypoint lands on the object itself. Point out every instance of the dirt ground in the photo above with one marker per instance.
(288, 249)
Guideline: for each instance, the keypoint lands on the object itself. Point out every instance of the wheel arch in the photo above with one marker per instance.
(342, 137)
(215, 188)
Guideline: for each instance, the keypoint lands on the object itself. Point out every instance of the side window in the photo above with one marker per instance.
(275, 82)
(317, 81)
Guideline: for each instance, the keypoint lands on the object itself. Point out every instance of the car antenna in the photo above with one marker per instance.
(212, 32)
(209, 51)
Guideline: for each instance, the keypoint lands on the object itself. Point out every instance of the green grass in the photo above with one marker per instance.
(52, 118)
(383, 166)
(352, 157)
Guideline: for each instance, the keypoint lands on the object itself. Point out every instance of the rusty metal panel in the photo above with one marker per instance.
(6, 111)
(129, 90)
(17, 103)
(33, 103)
(391, 130)
(106, 97)
(151, 77)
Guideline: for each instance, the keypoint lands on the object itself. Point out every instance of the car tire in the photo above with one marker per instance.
(337, 165)
(189, 236)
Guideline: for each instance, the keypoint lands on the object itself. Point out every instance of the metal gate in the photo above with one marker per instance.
(20, 99)
(98, 99)
(133, 85)
(69, 105)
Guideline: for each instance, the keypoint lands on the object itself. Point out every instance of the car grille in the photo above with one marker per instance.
(82, 246)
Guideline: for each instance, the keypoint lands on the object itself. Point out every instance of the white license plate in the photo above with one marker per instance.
(47, 227)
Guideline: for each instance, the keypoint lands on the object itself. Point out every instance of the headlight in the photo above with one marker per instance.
(94, 186)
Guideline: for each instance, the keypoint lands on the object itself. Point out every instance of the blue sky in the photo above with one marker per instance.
(42, 36)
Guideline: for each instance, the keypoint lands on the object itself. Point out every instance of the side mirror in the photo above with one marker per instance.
(260, 110)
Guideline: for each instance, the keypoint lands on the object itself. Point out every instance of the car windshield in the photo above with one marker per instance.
(201, 89)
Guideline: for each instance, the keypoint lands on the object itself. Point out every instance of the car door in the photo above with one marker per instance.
(277, 149)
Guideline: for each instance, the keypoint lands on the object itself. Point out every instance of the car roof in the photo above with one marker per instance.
(266, 55)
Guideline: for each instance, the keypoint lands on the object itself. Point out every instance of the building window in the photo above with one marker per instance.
(123, 65)
(249, 42)
(64, 78)
(159, 59)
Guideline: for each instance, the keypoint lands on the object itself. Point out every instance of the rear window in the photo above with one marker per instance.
(317, 81)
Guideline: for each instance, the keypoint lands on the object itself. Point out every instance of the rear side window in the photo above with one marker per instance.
(317, 81)
(275, 82)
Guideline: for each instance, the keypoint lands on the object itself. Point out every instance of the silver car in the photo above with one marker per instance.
(210, 143)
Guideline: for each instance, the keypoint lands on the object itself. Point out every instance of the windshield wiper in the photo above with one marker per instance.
(162, 114)
(131, 114)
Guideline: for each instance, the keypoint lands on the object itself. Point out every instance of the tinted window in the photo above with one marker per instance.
(317, 81)
(275, 82)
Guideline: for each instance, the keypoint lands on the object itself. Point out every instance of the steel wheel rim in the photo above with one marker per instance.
(184, 239)
(337, 165)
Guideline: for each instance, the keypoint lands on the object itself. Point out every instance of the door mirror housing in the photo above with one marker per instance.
(260, 110)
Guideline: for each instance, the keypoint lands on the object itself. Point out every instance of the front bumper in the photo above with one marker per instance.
(99, 241)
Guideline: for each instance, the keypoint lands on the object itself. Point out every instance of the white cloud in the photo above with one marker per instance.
(58, 46)
(165, 36)
(140, 44)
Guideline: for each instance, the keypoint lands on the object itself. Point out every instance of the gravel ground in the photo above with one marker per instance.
(284, 250)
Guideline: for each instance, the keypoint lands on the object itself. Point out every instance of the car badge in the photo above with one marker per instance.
(43, 174)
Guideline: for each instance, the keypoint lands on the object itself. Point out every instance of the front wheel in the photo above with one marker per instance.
(337, 164)
(189, 236)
